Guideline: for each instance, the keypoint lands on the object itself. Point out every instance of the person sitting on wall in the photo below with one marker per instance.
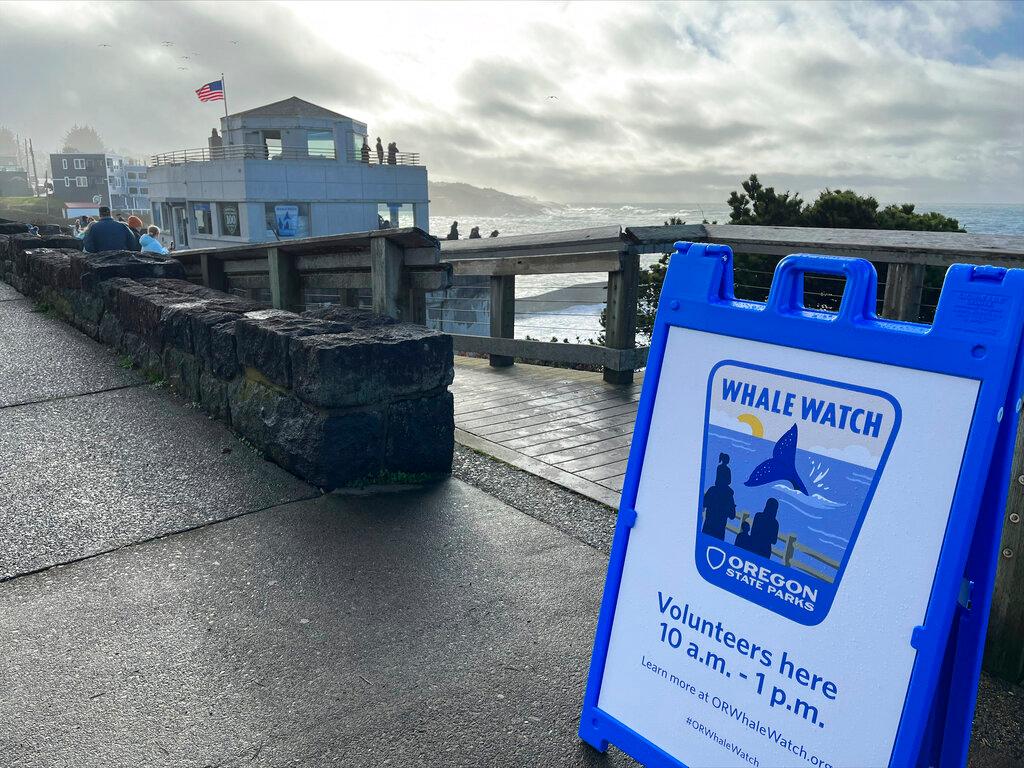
(393, 153)
(719, 501)
(474, 233)
(765, 531)
(453, 233)
(494, 233)
(109, 235)
(150, 242)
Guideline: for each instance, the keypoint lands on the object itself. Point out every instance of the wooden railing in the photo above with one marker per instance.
(790, 547)
(603, 250)
(396, 266)
(615, 252)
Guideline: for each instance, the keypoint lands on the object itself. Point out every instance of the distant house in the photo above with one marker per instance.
(288, 169)
(80, 177)
(101, 179)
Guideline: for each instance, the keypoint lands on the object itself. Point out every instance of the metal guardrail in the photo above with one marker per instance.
(371, 158)
(240, 152)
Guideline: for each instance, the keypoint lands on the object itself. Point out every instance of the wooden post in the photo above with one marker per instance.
(386, 260)
(213, 272)
(903, 286)
(790, 549)
(620, 319)
(1004, 647)
(285, 291)
(417, 303)
(503, 314)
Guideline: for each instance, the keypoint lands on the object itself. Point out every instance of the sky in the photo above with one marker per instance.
(570, 102)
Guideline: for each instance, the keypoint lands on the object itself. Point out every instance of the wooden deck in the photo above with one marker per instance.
(569, 427)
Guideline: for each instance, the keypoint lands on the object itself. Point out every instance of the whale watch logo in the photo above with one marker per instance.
(790, 466)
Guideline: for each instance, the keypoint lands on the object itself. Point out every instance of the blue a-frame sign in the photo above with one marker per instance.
(808, 535)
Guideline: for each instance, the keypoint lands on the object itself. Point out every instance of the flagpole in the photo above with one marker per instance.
(224, 90)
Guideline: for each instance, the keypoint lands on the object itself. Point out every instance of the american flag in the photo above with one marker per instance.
(211, 91)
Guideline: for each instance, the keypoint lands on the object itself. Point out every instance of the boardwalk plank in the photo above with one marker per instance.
(569, 427)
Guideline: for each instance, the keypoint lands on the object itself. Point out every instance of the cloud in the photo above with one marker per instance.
(912, 101)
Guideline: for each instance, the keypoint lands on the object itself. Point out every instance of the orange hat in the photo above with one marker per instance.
(135, 221)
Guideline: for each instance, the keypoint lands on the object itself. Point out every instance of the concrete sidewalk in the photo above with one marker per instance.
(170, 598)
(431, 627)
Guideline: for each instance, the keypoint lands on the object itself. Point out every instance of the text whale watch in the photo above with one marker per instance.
(826, 470)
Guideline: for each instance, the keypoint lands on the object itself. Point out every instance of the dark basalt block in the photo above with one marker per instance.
(370, 365)
(65, 242)
(421, 435)
(89, 269)
(263, 339)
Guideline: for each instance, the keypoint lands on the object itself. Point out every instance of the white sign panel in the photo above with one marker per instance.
(790, 514)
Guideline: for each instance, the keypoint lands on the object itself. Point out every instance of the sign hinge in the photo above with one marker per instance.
(627, 516)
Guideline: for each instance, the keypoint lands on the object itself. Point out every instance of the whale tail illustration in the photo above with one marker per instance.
(781, 466)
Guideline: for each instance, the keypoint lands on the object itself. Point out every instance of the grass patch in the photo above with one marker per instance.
(126, 362)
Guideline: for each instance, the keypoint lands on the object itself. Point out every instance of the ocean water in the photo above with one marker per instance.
(823, 519)
(1001, 219)
(568, 307)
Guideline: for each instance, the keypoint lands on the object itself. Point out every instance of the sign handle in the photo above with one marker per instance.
(859, 295)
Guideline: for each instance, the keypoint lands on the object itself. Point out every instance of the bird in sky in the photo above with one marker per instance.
(184, 57)
(103, 45)
(166, 43)
(553, 97)
(233, 42)
(182, 67)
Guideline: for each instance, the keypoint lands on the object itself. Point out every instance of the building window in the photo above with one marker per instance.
(110, 163)
(142, 176)
(143, 190)
(133, 190)
(320, 144)
(82, 181)
(64, 163)
(132, 175)
(157, 218)
(287, 219)
(79, 164)
(395, 215)
(203, 218)
(67, 181)
(230, 224)
(271, 144)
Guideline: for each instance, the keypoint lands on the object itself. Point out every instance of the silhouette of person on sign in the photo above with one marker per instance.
(719, 502)
(765, 530)
(743, 537)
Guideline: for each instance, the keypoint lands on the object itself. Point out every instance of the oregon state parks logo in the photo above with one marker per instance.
(790, 464)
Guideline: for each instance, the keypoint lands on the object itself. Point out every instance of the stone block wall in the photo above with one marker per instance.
(336, 396)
